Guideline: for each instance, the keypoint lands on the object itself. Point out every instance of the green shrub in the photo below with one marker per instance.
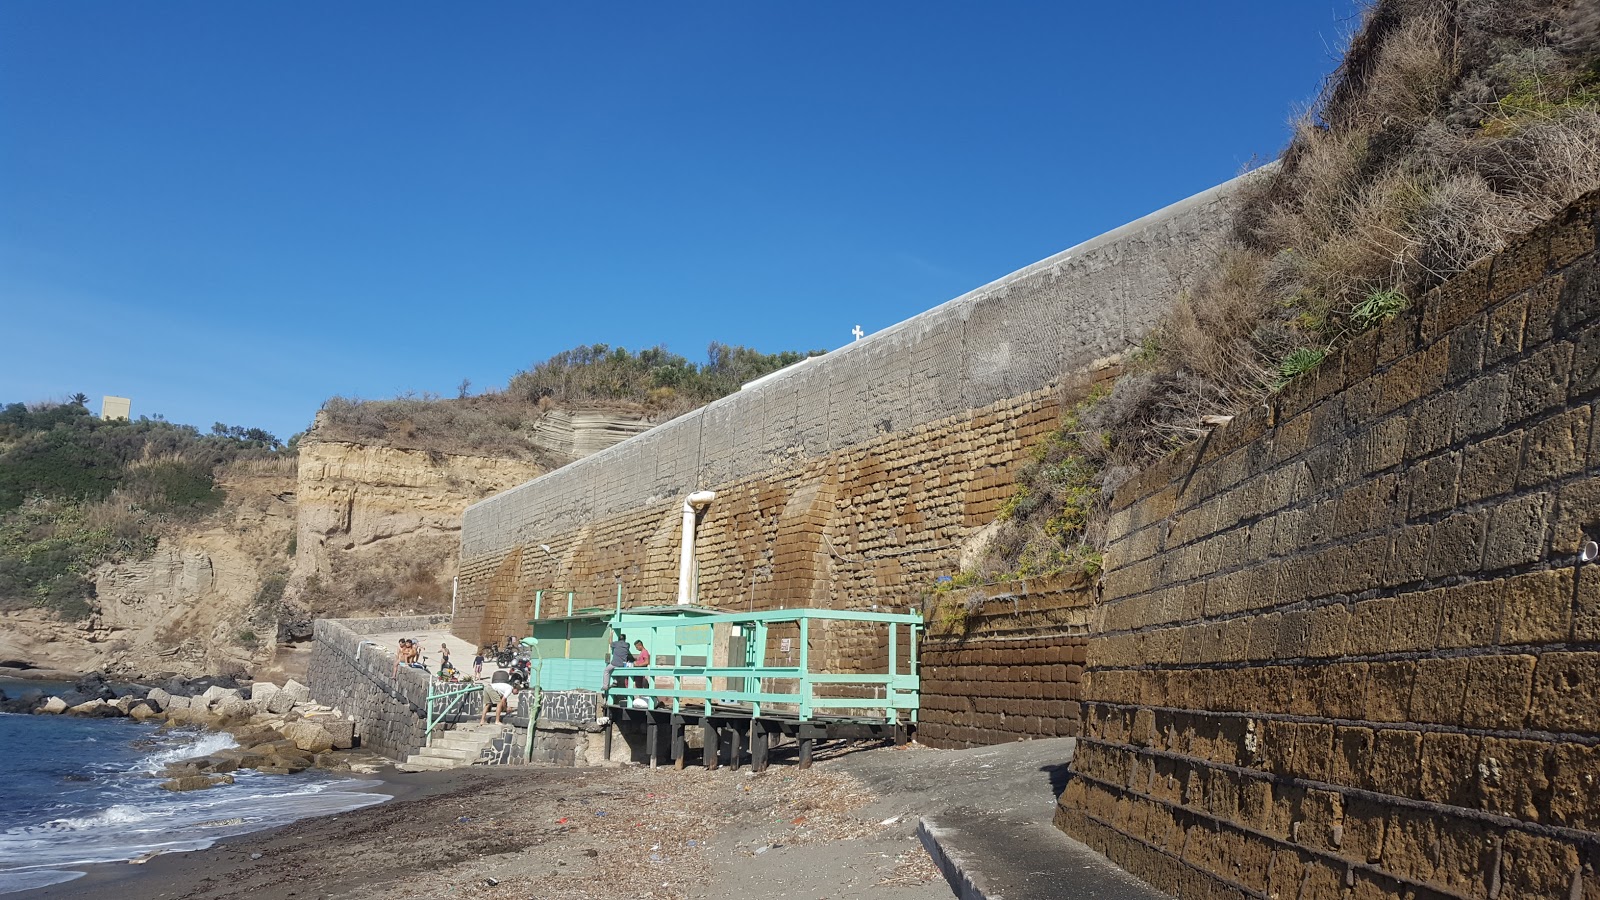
(1376, 308)
(1300, 361)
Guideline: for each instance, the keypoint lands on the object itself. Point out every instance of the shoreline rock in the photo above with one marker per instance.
(279, 729)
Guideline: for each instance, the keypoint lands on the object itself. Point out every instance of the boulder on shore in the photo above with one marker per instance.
(297, 691)
(263, 691)
(216, 694)
(308, 736)
(196, 782)
(54, 706)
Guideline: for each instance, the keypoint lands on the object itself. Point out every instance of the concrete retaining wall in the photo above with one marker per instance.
(952, 368)
(346, 672)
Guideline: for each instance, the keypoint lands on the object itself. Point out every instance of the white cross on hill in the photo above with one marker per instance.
(857, 332)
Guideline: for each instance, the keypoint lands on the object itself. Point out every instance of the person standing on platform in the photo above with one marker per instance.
(641, 659)
(619, 659)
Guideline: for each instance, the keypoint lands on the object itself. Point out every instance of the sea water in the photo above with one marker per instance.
(81, 791)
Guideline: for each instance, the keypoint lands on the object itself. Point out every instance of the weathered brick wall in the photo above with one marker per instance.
(1011, 669)
(874, 524)
(1346, 647)
(849, 469)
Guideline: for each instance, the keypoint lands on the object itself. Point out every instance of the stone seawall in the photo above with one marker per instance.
(851, 479)
(347, 671)
(1348, 646)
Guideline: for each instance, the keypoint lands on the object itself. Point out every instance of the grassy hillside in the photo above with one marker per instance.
(76, 491)
(652, 382)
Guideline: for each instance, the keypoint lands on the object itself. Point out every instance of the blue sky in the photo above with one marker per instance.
(233, 211)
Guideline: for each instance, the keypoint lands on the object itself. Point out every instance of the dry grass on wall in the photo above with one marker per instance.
(1450, 127)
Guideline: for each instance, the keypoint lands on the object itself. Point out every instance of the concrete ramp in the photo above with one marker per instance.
(986, 820)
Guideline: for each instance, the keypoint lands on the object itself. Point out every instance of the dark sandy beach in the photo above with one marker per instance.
(524, 832)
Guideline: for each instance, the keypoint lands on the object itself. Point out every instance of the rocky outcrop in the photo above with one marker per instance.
(353, 530)
(377, 527)
(192, 606)
(574, 434)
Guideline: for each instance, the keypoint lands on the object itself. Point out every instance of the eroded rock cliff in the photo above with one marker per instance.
(377, 527)
(203, 602)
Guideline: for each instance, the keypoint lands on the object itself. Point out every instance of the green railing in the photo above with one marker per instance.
(444, 697)
(747, 680)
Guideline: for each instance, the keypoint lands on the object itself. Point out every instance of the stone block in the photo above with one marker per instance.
(1388, 693)
(1575, 786)
(1448, 771)
(216, 693)
(1517, 531)
(1536, 866)
(1580, 296)
(1513, 777)
(1539, 383)
(1432, 486)
(1481, 404)
(1577, 515)
(1456, 545)
(1498, 689)
(1586, 611)
(1586, 362)
(1503, 331)
(263, 691)
(1565, 686)
(296, 691)
(1438, 690)
(1538, 607)
(1470, 615)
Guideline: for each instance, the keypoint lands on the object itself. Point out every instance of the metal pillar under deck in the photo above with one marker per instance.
(737, 738)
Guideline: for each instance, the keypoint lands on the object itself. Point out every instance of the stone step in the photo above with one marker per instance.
(416, 763)
(450, 753)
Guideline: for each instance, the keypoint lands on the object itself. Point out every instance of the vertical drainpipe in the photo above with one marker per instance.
(686, 561)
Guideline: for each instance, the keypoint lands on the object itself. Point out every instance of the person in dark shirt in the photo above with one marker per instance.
(619, 659)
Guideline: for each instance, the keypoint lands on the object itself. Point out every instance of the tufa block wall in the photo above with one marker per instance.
(1346, 648)
(874, 524)
(1010, 668)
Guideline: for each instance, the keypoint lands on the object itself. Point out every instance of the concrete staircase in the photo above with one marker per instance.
(462, 745)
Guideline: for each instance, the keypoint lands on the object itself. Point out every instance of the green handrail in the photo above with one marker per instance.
(690, 632)
(457, 693)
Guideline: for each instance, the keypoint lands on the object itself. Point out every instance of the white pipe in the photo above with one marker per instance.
(686, 561)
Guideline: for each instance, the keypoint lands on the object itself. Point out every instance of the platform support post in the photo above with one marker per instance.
(735, 746)
(652, 740)
(758, 746)
(805, 752)
(711, 743)
(679, 745)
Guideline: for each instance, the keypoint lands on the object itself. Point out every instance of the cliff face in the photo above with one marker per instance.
(377, 527)
(354, 529)
(196, 606)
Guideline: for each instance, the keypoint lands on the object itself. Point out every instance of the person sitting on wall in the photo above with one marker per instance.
(619, 659)
(499, 692)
